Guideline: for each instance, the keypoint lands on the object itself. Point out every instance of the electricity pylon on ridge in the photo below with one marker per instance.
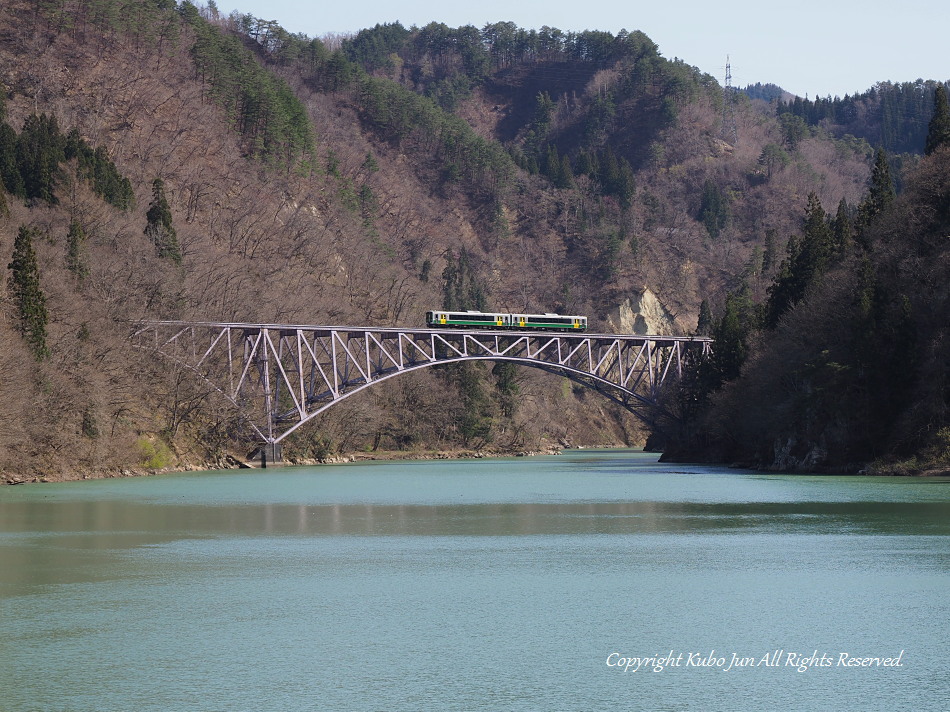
(730, 131)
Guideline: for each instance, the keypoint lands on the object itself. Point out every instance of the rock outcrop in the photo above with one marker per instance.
(642, 313)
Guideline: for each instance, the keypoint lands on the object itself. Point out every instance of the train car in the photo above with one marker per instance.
(495, 320)
(549, 322)
(468, 319)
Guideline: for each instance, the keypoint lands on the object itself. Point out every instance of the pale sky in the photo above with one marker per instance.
(813, 47)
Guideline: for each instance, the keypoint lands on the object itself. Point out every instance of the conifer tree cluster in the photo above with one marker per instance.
(264, 109)
(40, 150)
(557, 169)
(902, 111)
(26, 293)
(458, 59)
(938, 130)
(95, 166)
(808, 258)
(880, 195)
(418, 125)
(463, 291)
(612, 173)
(824, 241)
(159, 228)
(31, 163)
(461, 288)
(714, 209)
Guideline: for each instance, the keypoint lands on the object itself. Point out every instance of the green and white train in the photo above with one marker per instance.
(493, 320)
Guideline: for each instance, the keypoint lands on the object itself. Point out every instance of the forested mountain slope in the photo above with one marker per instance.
(159, 161)
(845, 367)
(893, 116)
(856, 373)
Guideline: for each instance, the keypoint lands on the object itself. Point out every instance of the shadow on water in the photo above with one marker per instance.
(43, 543)
(112, 525)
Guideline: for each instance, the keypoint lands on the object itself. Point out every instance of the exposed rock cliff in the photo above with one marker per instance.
(642, 313)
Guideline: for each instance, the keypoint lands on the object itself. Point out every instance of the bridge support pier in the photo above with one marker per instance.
(270, 454)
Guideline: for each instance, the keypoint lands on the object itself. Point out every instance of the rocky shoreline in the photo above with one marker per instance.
(232, 462)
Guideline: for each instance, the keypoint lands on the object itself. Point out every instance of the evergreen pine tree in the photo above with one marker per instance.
(96, 167)
(609, 172)
(565, 176)
(584, 165)
(27, 295)
(505, 374)
(818, 240)
(9, 171)
(938, 132)
(882, 191)
(9, 174)
(783, 289)
(774, 158)
(75, 261)
(625, 185)
(543, 111)
(807, 259)
(880, 195)
(733, 333)
(159, 227)
(714, 209)
(461, 289)
(40, 150)
(843, 227)
(704, 324)
(768, 254)
(551, 165)
(475, 418)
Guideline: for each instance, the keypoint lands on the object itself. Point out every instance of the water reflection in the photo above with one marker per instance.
(114, 525)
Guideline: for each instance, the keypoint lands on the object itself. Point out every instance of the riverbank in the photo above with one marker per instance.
(422, 455)
(869, 469)
(232, 462)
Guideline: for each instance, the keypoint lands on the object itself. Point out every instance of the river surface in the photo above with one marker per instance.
(511, 584)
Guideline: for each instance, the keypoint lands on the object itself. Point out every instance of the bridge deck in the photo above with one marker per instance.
(394, 331)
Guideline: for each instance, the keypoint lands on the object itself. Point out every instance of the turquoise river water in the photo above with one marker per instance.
(588, 581)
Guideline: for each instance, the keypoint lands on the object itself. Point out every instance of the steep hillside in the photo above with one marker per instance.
(628, 177)
(855, 375)
(844, 367)
(276, 178)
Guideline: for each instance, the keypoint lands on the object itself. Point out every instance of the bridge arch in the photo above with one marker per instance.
(281, 377)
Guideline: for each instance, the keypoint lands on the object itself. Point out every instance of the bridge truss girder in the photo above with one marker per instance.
(282, 376)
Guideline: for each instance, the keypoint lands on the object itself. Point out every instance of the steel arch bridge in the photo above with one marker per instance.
(281, 376)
